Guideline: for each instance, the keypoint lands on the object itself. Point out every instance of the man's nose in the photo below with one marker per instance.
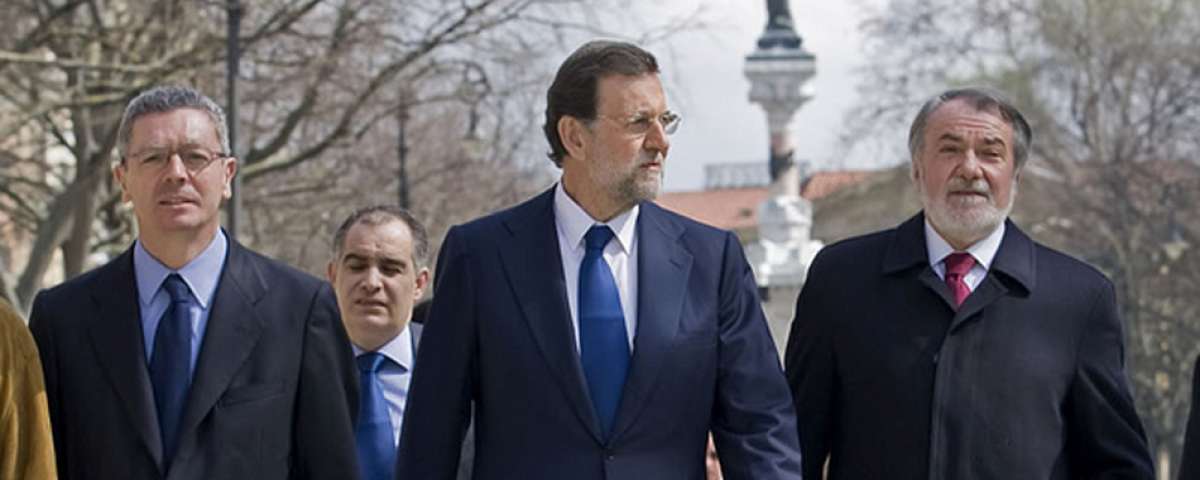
(657, 139)
(175, 168)
(970, 167)
(372, 280)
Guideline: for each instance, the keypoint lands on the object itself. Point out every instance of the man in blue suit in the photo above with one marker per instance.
(598, 335)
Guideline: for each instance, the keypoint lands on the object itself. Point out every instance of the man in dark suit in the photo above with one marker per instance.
(953, 346)
(599, 336)
(190, 356)
(378, 271)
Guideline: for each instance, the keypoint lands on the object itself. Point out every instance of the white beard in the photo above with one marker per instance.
(966, 219)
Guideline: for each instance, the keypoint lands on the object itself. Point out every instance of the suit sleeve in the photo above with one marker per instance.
(810, 365)
(754, 424)
(439, 402)
(1189, 466)
(326, 396)
(1104, 435)
(41, 326)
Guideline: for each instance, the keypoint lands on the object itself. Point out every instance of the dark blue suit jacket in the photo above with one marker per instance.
(500, 334)
(273, 397)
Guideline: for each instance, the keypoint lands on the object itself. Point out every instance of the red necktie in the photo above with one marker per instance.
(957, 266)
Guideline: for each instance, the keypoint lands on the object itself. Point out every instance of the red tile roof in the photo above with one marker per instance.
(737, 208)
(731, 208)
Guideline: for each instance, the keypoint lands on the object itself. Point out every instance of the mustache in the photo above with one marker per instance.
(655, 158)
(978, 186)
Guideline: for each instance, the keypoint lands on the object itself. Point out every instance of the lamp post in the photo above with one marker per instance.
(402, 149)
(233, 53)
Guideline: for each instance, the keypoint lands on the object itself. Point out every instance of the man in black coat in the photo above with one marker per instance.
(190, 356)
(953, 346)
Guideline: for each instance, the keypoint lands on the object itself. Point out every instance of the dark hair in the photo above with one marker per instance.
(166, 99)
(573, 92)
(982, 99)
(379, 215)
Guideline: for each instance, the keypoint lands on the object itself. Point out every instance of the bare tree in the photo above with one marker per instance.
(324, 82)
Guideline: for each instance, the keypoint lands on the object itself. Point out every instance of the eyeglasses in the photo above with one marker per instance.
(640, 124)
(194, 159)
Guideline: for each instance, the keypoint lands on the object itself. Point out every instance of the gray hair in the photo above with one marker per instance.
(166, 99)
(983, 99)
(379, 215)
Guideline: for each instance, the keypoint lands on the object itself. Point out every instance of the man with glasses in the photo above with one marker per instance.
(598, 335)
(190, 356)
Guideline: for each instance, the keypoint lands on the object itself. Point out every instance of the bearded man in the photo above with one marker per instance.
(954, 346)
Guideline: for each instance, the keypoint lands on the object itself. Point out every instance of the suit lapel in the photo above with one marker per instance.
(533, 266)
(116, 335)
(663, 267)
(233, 330)
(414, 330)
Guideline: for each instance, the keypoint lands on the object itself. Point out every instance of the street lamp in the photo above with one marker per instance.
(233, 53)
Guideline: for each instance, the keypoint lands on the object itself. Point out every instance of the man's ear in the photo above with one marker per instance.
(422, 282)
(331, 272)
(574, 135)
(118, 172)
(231, 167)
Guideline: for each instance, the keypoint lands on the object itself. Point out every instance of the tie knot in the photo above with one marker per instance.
(959, 263)
(597, 237)
(176, 288)
(370, 362)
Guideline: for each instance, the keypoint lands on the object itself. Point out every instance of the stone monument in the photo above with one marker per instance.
(779, 70)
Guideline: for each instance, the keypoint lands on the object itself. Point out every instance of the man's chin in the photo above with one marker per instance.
(647, 188)
(966, 225)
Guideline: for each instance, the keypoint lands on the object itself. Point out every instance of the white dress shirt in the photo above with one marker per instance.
(572, 223)
(394, 376)
(983, 251)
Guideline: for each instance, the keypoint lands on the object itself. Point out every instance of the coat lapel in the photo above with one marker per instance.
(116, 335)
(533, 265)
(663, 266)
(907, 250)
(233, 329)
(1013, 266)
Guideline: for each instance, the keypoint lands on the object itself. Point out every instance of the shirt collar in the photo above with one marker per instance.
(398, 349)
(984, 251)
(201, 274)
(573, 222)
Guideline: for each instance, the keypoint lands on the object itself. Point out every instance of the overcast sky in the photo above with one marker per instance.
(703, 74)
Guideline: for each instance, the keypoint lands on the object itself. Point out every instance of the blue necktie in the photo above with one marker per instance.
(603, 343)
(170, 365)
(373, 433)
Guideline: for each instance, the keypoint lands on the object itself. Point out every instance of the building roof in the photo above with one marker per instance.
(729, 208)
(737, 208)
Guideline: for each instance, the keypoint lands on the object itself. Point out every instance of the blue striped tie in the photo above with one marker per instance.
(603, 342)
